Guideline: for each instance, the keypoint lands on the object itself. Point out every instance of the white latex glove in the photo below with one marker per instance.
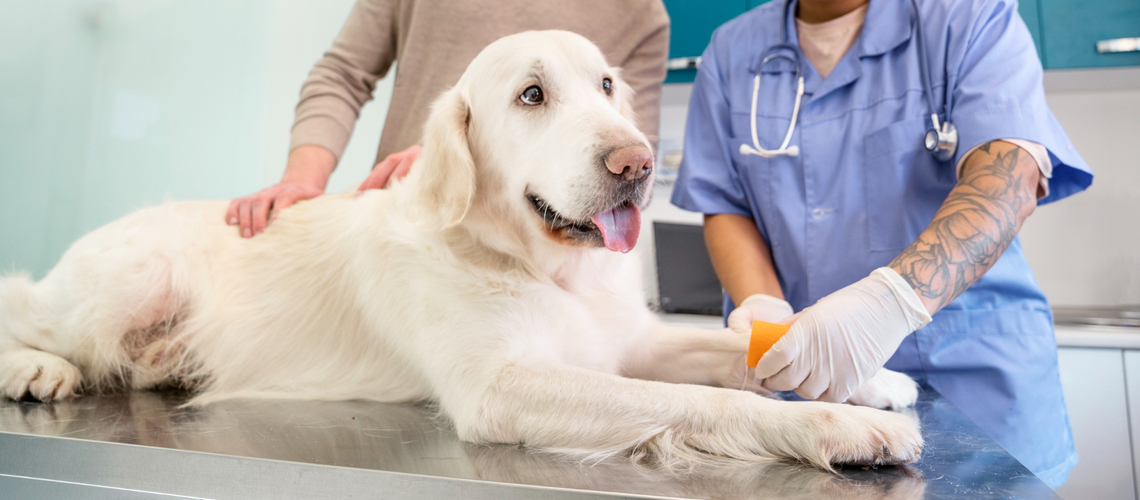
(758, 307)
(844, 339)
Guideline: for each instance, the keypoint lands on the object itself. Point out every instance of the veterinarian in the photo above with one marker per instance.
(434, 41)
(894, 233)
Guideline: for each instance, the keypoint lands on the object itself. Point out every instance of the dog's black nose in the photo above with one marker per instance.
(631, 162)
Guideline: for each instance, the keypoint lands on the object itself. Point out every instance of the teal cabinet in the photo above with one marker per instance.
(1065, 32)
(1072, 29)
(1031, 13)
(693, 22)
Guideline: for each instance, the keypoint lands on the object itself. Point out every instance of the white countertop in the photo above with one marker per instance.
(1111, 337)
(1107, 337)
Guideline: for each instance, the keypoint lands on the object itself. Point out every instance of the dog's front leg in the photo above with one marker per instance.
(690, 355)
(572, 410)
(687, 355)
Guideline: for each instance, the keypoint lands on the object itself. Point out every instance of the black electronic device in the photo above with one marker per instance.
(686, 281)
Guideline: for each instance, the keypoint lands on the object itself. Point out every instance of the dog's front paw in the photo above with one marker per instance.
(842, 434)
(887, 389)
(44, 376)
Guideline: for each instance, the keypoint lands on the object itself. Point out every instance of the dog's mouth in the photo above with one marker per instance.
(615, 228)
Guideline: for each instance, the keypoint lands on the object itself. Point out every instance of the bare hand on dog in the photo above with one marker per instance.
(305, 178)
(395, 166)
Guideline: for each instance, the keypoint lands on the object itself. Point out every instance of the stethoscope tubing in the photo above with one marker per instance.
(783, 149)
(947, 135)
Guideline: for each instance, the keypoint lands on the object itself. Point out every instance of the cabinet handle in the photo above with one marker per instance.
(1118, 45)
(683, 63)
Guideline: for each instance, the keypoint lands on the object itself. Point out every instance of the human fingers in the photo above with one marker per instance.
(259, 214)
(281, 203)
(816, 384)
(792, 319)
(402, 168)
(768, 308)
(839, 391)
(787, 379)
(232, 212)
(410, 156)
(244, 218)
(378, 178)
(779, 356)
(740, 319)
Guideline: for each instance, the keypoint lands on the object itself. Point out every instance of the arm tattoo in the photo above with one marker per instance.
(974, 226)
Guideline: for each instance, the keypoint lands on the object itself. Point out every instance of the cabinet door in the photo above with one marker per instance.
(1093, 384)
(1030, 11)
(693, 22)
(1132, 382)
(1071, 29)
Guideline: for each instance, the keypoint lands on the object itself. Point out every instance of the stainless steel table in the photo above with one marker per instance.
(143, 445)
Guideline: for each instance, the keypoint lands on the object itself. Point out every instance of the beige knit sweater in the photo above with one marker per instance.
(434, 40)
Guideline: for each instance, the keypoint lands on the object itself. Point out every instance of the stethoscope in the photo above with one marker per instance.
(941, 140)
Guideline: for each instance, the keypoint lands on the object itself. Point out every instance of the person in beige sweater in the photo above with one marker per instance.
(433, 42)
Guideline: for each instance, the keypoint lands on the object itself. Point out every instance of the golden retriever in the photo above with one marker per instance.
(494, 280)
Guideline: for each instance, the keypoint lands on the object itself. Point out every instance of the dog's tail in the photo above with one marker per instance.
(18, 309)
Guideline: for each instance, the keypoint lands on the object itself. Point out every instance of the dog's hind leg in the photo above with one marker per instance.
(25, 369)
(104, 312)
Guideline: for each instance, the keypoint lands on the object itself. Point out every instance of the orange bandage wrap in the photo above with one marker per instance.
(764, 336)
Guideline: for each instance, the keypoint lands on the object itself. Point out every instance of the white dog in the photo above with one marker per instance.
(480, 282)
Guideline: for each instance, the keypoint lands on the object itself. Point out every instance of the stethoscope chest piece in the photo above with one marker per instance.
(942, 141)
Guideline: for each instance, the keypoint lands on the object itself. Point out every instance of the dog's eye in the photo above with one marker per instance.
(531, 96)
(607, 85)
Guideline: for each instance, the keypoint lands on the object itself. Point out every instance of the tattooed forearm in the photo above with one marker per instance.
(974, 226)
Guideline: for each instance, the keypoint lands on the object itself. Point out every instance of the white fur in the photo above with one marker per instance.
(445, 287)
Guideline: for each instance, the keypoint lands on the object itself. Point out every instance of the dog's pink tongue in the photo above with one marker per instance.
(620, 227)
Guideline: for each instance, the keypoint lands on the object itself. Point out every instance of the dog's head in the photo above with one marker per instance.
(539, 130)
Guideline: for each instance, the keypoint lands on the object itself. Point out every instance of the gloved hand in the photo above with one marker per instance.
(844, 339)
(758, 307)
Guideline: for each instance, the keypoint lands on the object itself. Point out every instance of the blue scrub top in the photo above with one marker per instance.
(864, 187)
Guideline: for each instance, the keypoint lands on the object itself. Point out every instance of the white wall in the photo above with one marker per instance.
(299, 33)
(107, 106)
(1085, 250)
(674, 108)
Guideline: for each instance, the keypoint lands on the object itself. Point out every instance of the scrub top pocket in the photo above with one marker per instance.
(899, 172)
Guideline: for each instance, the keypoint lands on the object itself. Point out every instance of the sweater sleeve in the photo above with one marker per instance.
(644, 70)
(342, 81)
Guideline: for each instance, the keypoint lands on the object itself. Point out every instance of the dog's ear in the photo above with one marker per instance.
(447, 172)
(625, 96)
